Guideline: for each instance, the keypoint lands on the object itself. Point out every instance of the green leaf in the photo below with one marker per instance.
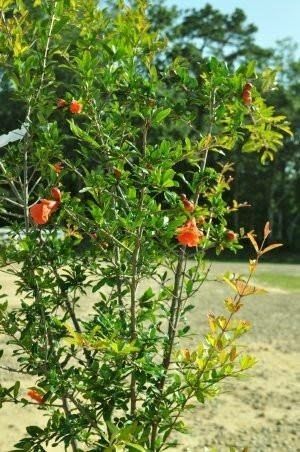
(131, 194)
(250, 69)
(34, 431)
(98, 285)
(189, 286)
(16, 389)
(183, 178)
(200, 396)
(160, 115)
(82, 135)
(147, 295)
(247, 361)
(136, 446)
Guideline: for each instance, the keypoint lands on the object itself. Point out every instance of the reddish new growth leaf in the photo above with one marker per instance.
(35, 395)
(267, 230)
(271, 247)
(253, 241)
(189, 235)
(260, 251)
(61, 103)
(117, 173)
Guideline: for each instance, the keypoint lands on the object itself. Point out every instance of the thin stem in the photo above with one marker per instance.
(71, 313)
(11, 201)
(11, 369)
(11, 214)
(83, 220)
(134, 279)
(77, 327)
(44, 65)
(11, 183)
(133, 288)
(67, 411)
(174, 310)
(119, 286)
(25, 185)
(212, 101)
(25, 188)
(34, 185)
(33, 403)
(84, 411)
(180, 299)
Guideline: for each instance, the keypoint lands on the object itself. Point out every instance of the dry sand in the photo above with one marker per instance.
(261, 412)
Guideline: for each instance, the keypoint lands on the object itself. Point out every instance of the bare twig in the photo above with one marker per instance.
(67, 411)
(11, 201)
(11, 183)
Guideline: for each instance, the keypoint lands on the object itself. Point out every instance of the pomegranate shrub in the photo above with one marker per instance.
(101, 198)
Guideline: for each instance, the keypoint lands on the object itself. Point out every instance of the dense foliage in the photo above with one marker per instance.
(196, 34)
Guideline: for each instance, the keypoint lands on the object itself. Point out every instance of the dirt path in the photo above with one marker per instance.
(261, 412)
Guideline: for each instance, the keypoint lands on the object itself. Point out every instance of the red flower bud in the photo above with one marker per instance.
(56, 194)
(248, 86)
(58, 167)
(246, 94)
(188, 205)
(61, 103)
(230, 236)
(117, 173)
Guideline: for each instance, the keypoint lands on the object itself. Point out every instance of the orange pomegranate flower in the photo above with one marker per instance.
(58, 167)
(189, 235)
(188, 205)
(50, 204)
(75, 107)
(35, 395)
(42, 211)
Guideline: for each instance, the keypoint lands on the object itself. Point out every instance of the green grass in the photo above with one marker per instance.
(290, 283)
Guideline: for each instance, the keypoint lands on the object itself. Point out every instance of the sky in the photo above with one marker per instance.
(275, 19)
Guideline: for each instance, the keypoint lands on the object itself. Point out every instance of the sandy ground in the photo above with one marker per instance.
(261, 412)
